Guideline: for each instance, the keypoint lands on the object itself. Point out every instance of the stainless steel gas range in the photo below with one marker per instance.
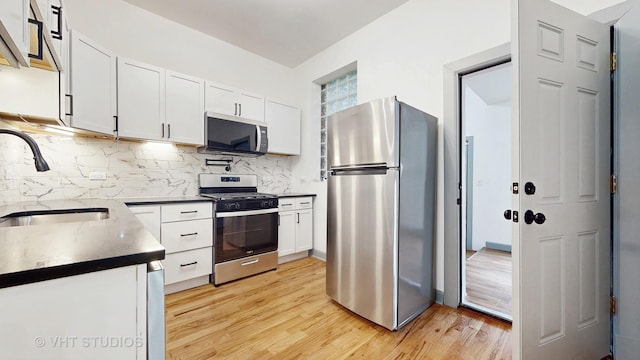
(245, 240)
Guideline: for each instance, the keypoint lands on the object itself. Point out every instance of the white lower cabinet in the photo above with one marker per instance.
(295, 231)
(187, 265)
(186, 232)
(98, 315)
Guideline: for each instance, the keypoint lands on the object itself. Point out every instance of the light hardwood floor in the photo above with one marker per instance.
(285, 314)
(488, 280)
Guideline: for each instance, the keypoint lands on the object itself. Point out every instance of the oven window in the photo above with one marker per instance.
(241, 236)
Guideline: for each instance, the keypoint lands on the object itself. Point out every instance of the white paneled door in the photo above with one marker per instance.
(562, 135)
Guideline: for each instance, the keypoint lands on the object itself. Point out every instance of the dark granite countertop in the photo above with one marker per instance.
(290, 195)
(163, 200)
(33, 253)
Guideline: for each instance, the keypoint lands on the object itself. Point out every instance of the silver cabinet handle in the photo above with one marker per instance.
(235, 111)
(250, 262)
(189, 264)
(298, 221)
(189, 212)
(169, 131)
(239, 109)
(163, 130)
(305, 203)
(191, 234)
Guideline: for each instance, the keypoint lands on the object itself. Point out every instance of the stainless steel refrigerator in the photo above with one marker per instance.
(381, 159)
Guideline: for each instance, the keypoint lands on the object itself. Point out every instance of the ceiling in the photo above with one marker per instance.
(286, 31)
(492, 85)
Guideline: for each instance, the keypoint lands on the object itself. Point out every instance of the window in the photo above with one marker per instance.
(336, 95)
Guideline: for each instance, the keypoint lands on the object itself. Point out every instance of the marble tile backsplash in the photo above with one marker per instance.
(132, 169)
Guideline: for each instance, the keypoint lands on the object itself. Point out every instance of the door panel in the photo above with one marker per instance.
(561, 128)
(362, 244)
(364, 134)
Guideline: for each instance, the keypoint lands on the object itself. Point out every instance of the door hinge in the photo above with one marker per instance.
(614, 61)
(612, 305)
(613, 184)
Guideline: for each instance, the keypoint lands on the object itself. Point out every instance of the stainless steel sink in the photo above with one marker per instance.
(40, 217)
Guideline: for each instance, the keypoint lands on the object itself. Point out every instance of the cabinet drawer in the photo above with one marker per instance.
(187, 211)
(286, 204)
(187, 265)
(187, 235)
(304, 203)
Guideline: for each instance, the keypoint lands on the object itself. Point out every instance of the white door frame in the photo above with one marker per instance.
(452, 173)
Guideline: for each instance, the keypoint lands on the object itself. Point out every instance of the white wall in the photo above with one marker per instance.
(490, 126)
(402, 54)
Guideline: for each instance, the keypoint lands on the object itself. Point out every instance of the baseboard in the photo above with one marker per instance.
(319, 255)
(498, 246)
(186, 284)
(439, 297)
(292, 257)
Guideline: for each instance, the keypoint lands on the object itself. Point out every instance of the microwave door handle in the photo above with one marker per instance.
(258, 138)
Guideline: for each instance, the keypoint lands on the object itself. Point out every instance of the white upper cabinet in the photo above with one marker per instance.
(184, 108)
(91, 86)
(141, 100)
(284, 128)
(159, 104)
(227, 100)
(250, 106)
(46, 15)
(14, 31)
(53, 18)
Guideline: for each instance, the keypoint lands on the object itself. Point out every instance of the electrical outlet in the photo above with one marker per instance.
(97, 175)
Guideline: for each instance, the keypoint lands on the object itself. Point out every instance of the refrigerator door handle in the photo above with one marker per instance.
(360, 166)
(372, 169)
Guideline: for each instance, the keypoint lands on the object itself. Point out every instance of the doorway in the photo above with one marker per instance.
(485, 123)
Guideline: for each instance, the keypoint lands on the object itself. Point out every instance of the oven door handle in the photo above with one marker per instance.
(245, 213)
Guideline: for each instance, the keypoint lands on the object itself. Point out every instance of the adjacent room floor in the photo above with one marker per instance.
(488, 280)
(285, 314)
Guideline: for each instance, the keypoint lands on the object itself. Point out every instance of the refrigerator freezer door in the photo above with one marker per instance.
(364, 134)
(362, 244)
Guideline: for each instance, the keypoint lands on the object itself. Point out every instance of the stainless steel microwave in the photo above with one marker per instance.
(227, 134)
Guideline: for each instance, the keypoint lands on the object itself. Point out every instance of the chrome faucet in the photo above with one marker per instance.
(41, 164)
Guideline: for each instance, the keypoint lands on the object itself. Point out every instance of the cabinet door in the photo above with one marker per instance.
(141, 100)
(221, 99)
(74, 317)
(92, 86)
(250, 106)
(57, 25)
(149, 216)
(185, 108)
(187, 235)
(304, 230)
(287, 233)
(14, 31)
(284, 128)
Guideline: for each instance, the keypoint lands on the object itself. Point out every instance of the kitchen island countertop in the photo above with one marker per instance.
(33, 253)
(163, 200)
(290, 195)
